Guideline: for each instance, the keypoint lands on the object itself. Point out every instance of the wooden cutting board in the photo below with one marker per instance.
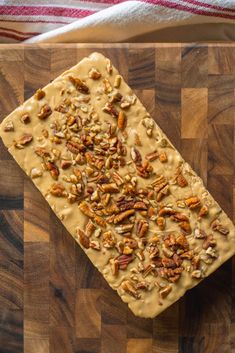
(52, 300)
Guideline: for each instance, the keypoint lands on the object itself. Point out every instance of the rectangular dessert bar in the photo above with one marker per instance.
(118, 185)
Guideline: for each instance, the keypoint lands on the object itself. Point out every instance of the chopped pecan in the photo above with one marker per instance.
(159, 183)
(166, 211)
(25, 139)
(203, 211)
(177, 259)
(124, 260)
(179, 217)
(195, 262)
(94, 74)
(217, 226)
(117, 81)
(86, 209)
(83, 238)
(185, 226)
(209, 242)
(136, 156)
(163, 192)
(94, 244)
(165, 291)
(129, 287)
(90, 228)
(140, 205)
(137, 140)
(36, 173)
(9, 126)
(42, 152)
(182, 242)
(152, 156)
(127, 250)
(109, 240)
(168, 263)
(116, 97)
(163, 157)
(39, 94)
(181, 181)
(65, 164)
(117, 178)
(197, 274)
(25, 118)
(193, 202)
(188, 255)
(79, 85)
(109, 188)
(161, 222)
(53, 169)
(123, 215)
(110, 109)
(45, 112)
(144, 170)
(114, 267)
(107, 86)
(58, 190)
(122, 229)
(121, 121)
(199, 233)
(142, 227)
(211, 252)
(75, 147)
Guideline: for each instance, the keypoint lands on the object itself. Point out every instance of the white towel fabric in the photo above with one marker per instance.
(116, 20)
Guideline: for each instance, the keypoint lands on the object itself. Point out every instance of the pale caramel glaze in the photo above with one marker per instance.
(148, 305)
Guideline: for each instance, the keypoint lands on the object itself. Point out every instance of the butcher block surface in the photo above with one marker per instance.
(52, 299)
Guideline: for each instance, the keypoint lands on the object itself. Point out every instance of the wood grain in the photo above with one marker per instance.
(52, 299)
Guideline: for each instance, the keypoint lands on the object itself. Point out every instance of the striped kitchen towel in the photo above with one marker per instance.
(116, 20)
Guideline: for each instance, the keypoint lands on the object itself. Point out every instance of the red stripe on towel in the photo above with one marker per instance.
(44, 11)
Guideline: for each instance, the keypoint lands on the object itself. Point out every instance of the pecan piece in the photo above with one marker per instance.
(117, 81)
(42, 152)
(182, 242)
(116, 97)
(142, 228)
(199, 233)
(203, 211)
(166, 211)
(136, 156)
(123, 215)
(124, 228)
(165, 291)
(9, 126)
(181, 181)
(90, 228)
(44, 112)
(75, 147)
(114, 267)
(152, 156)
(25, 139)
(168, 263)
(179, 217)
(197, 274)
(79, 85)
(94, 74)
(110, 109)
(140, 205)
(193, 202)
(25, 118)
(53, 169)
(36, 173)
(130, 288)
(209, 242)
(58, 190)
(109, 188)
(39, 94)
(87, 210)
(65, 164)
(121, 120)
(109, 240)
(161, 222)
(163, 157)
(185, 226)
(217, 226)
(83, 238)
(123, 260)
